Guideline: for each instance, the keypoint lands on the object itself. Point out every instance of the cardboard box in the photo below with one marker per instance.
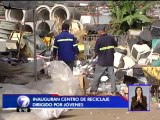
(82, 82)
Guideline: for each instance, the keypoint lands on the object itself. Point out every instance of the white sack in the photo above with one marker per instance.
(62, 82)
(62, 77)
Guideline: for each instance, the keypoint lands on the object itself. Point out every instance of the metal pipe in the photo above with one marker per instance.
(97, 15)
(42, 28)
(19, 15)
(64, 12)
(43, 12)
(75, 25)
(34, 33)
(14, 15)
(28, 27)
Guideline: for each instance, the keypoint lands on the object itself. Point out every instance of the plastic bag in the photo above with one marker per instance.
(45, 87)
(63, 78)
(59, 69)
(62, 82)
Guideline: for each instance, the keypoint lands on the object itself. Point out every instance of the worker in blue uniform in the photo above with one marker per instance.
(65, 44)
(104, 49)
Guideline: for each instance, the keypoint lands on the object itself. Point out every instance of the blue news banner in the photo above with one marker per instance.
(53, 101)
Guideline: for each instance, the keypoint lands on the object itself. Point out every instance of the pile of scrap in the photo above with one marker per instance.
(6, 28)
(133, 62)
(49, 19)
(58, 83)
(19, 74)
(48, 24)
(141, 50)
(28, 42)
(152, 73)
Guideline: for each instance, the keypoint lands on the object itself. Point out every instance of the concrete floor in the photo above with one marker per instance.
(112, 114)
(93, 114)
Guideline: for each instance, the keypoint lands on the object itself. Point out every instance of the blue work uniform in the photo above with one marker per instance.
(104, 48)
(66, 45)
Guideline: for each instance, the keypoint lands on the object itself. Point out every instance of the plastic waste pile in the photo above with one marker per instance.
(59, 83)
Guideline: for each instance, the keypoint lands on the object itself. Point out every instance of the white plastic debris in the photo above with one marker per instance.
(94, 61)
(47, 68)
(124, 91)
(78, 62)
(142, 80)
(143, 61)
(62, 82)
(104, 78)
(76, 71)
(62, 75)
(128, 62)
(130, 72)
(138, 51)
(118, 59)
(153, 56)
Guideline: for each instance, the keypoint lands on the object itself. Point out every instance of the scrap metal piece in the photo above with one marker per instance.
(3, 36)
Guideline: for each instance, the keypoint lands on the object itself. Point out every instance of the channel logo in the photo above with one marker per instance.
(23, 103)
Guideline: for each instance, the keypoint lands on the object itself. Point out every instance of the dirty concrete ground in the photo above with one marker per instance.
(112, 114)
(107, 114)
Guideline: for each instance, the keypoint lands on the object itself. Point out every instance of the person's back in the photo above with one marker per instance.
(105, 49)
(65, 44)
(66, 50)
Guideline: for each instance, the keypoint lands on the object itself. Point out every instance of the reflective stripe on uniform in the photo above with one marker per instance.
(55, 47)
(75, 45)
(106, 48)
(61, 40)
